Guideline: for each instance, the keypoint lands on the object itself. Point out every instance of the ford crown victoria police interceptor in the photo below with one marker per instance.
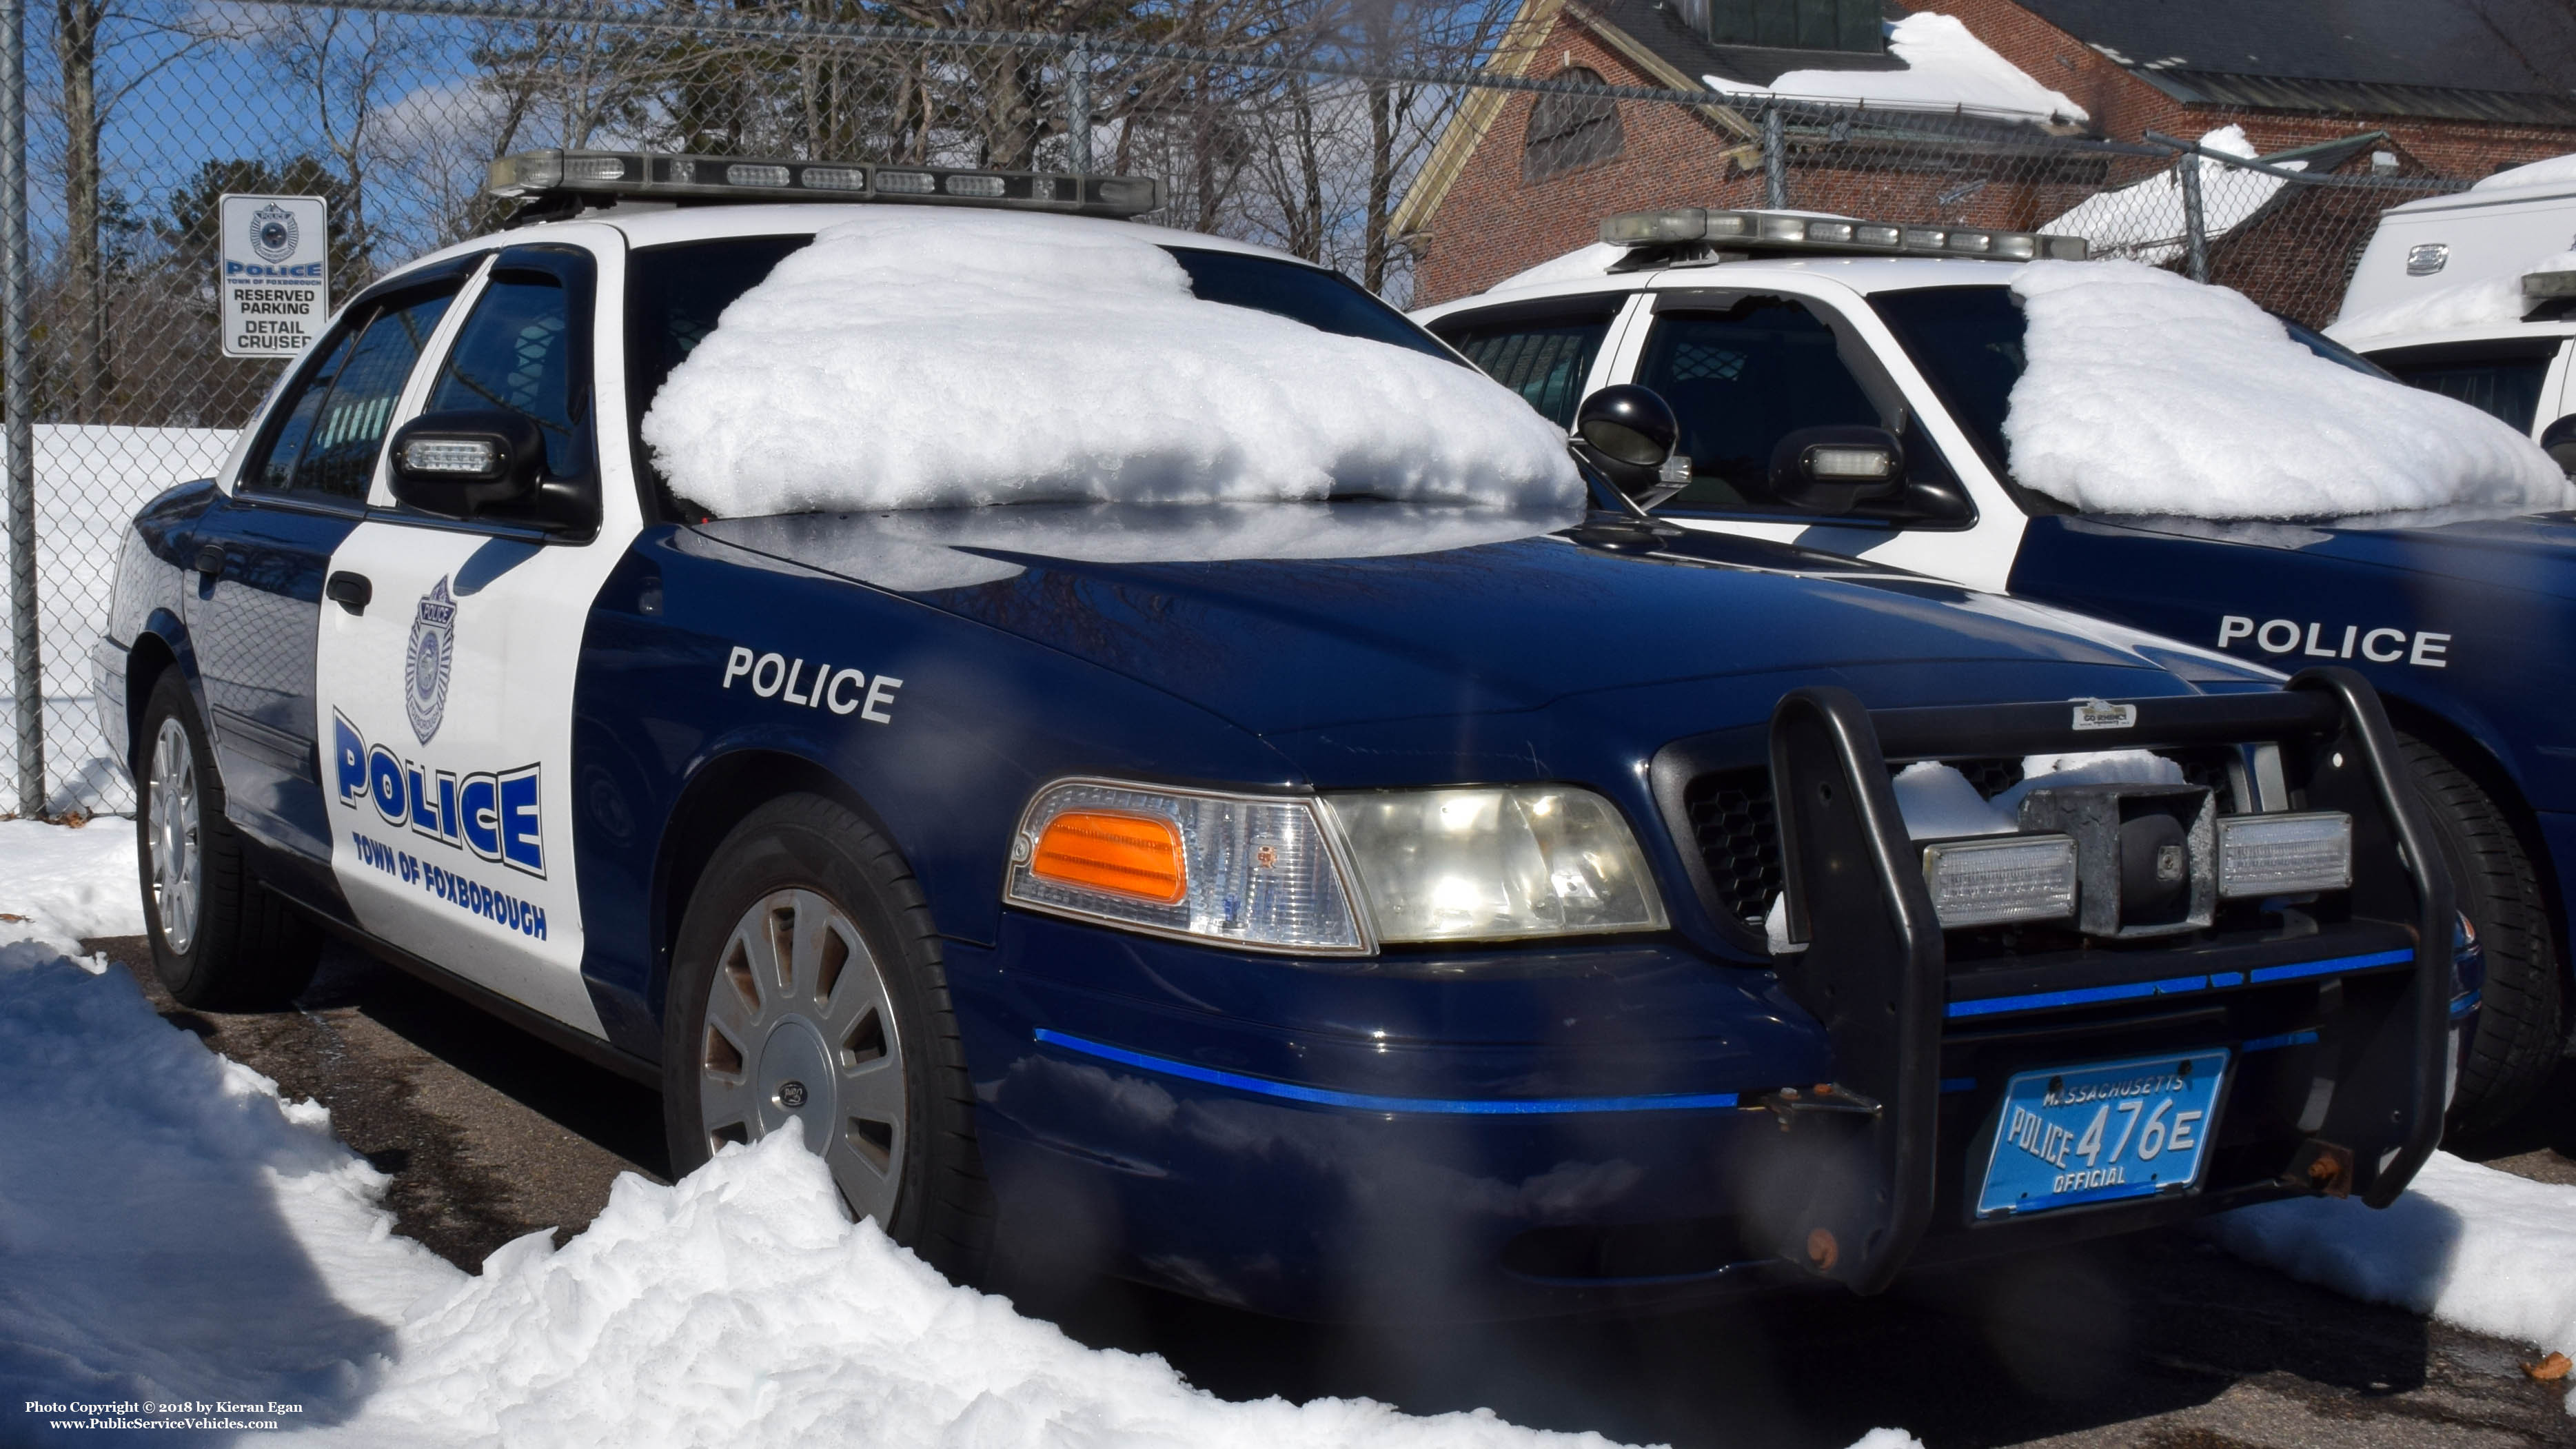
(1762, 328)
(1362, 932)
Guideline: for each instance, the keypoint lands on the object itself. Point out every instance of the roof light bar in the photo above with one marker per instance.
(1770, 230)
(648, 175)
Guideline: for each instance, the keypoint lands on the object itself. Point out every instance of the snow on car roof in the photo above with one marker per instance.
(917, 358)
(2146, 393)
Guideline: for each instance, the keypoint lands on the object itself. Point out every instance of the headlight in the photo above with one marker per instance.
(1337, 875)
(1483, 864)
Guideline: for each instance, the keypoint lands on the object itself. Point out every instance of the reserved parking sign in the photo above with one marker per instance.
(274, 290)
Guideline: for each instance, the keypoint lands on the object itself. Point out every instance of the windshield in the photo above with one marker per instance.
(1968, 341)
(675, 293)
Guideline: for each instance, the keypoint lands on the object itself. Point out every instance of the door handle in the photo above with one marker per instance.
(210, 560)
(350, 591)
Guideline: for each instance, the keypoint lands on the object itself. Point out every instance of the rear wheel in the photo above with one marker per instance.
(2516, 1043)
(806, 986)
(220, 940)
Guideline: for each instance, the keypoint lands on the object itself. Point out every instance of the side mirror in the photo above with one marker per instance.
(1628, 433)
(469, 464)
(2558, 440)
(1836, 469)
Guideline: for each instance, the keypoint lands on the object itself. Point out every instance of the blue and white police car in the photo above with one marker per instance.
(1764, 327)
(1338, 907)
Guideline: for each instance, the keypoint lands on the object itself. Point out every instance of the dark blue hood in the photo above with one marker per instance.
(1285, 617)
(2533, 552)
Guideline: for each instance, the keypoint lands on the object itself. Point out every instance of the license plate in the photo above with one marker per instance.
(2102, 1132)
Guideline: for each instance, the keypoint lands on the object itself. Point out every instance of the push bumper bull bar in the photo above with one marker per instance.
(1853, 1189)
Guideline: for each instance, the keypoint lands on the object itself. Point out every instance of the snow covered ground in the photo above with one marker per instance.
(171, 1231)
(89, 482)
(2144, 221)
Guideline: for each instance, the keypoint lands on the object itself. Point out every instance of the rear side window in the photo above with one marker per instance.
(332, 425)
(2501, 379)
(1543, 356)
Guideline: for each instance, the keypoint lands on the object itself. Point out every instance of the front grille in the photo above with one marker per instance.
(1738, 837)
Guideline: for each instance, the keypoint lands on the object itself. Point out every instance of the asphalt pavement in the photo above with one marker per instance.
(2152, 1341)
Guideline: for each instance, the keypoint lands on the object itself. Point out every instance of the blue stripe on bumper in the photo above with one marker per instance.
(1366, 1102)
(2092, 995)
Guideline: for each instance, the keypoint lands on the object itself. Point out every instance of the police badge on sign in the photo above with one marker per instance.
(433, 643)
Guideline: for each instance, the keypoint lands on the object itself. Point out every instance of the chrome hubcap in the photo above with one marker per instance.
(799, 1027)
(170, 831)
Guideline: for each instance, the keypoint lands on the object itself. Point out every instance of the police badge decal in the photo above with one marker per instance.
(433, 643)
(273, 232)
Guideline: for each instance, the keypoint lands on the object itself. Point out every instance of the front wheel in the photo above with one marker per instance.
(2516, 1044)
(221, 941)
(806, 986)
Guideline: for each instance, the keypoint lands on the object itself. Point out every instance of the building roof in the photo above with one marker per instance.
(2487, 60)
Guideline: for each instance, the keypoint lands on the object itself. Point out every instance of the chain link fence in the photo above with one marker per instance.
(1299, 123)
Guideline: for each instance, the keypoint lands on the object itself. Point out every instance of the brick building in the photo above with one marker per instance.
(1967, 123)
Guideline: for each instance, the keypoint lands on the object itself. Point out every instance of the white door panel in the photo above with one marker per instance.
(447, 708)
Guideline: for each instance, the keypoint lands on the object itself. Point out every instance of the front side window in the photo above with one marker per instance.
(331, 427)
(1738, 382)
(1545, 357)
(516, 354)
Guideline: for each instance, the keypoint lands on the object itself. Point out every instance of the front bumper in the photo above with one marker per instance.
(1605, 1126)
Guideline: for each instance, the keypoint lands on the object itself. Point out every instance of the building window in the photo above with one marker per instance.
(1570, 131)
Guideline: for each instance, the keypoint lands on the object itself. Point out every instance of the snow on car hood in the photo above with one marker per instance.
(1379, 611)
(2147, 393)
(923, 358)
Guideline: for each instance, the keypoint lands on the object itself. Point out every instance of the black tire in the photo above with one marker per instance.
(804, 848)
(2518, 1032)
(242, 948)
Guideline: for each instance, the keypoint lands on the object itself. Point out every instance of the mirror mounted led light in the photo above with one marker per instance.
(648, 175)
(2282, 855)
(1785, 232)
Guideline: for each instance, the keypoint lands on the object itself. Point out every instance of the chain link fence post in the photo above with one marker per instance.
(1775, 160)
(2195, 216)
(27, 673)
(1077, 107)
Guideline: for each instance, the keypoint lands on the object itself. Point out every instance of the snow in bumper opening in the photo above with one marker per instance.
(924, 360)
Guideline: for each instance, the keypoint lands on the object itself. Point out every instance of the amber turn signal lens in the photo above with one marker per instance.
(1132, 855)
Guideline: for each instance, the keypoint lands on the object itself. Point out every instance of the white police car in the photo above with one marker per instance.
(1329, 907)
(1788, 342)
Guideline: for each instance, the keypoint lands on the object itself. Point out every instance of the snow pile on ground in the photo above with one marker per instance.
(1946, 69)
(2472, 302)
(2147, 393)
(2144, 221)
(738, 1308)
(61, 884)
(2467, 1244)
(89, 483)
(171, 1231)
(926, 358)
(2556, 171)
(1937, 801)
